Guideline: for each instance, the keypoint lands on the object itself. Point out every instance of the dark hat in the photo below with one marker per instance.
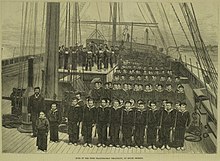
(180, 86)
(127, 102)
(78, 93)
(183, 103)
(116, 100)
(152, 102)
(36, 88)
(169, 102)
(74, 98)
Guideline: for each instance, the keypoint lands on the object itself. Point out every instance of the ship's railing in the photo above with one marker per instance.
(137, 46)
(186, 69)
(15, 60)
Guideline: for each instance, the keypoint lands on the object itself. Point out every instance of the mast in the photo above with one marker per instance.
(75, 22)
(114, 20)
(52, 50)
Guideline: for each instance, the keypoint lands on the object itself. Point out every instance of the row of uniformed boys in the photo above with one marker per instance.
(159, 127)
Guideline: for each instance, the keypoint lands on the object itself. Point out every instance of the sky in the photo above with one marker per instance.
(206, 13)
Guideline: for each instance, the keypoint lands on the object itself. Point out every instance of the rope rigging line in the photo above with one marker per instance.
(194, 39)
(204, 60)
(110, 19)
(28, 37)
(80, 33)
(42, 40)
(185, 33)
(158, 29)
(207, 57)
(21, 46)
(66, 23)
(35, 36)
(164, 26)
(204, 55)
(72, 24)
(62, 19)
(171, 30)
(99, 16)
(30, 28)
(196, 55)
(82, 14)
(150, 22)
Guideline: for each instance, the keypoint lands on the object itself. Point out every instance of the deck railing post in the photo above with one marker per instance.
(185, 61)
(190, 61)
(197, 66)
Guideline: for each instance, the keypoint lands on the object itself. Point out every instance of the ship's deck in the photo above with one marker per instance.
(15, 142)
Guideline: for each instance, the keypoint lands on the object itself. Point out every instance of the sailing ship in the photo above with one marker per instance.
(199, 79)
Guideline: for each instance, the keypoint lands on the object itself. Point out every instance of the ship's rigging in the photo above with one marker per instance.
(71, 19)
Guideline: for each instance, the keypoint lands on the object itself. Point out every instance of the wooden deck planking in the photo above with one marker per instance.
(16, 142)
(58, 146)
(25, 146)
(64, 145)
(10, 139)
(22, 139)
(51, 146)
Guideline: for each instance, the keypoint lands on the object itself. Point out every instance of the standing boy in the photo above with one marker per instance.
(42, 128)
(88, 122)
(127, 122)
(114, 120)
(54, 120)
(141, 119)
(182, 123)
(102, 121)
(74, 119)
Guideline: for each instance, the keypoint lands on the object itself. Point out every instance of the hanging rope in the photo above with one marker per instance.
(154, 20)
(110, 20)
(194, 40)
(199, 56)
(69, 24)
(42, 41)
(21, 45)
(35, 36)
(164, 26)
(66, 23)
(99, 16)
(171, 31)
(80, 33)
(196, 55)
(211, 67)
